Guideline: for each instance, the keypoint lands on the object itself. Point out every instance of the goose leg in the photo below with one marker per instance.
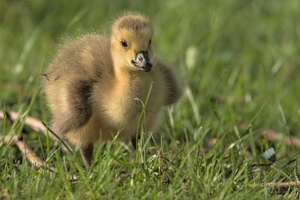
(134, 140)
(86, 153)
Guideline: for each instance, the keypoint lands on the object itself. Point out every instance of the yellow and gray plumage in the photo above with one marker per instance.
(96, 85)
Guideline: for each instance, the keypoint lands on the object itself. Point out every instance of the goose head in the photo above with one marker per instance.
(131, 46)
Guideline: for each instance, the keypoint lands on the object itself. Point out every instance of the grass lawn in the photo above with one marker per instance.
(238, 62)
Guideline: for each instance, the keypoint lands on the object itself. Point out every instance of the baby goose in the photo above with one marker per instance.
(97, 85)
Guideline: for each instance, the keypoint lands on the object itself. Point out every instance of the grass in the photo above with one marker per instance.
(238, 62)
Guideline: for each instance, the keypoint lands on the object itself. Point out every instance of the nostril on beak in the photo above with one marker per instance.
(140, 58)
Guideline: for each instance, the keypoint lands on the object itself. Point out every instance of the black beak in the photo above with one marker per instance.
(142, 60)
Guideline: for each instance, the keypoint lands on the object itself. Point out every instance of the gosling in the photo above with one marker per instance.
(97, 86)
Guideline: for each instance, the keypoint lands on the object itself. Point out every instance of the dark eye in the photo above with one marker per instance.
(124, 43)
(150, 42)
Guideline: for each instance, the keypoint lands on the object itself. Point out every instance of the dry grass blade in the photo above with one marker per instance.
(36, 125)
(24, 148)
(281, 185)
(30, 121)
(274, 137)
